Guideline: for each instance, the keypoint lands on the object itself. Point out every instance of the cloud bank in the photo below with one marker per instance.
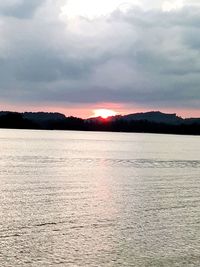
(147, 54)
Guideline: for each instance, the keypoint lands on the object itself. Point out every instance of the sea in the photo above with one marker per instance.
(99, 199)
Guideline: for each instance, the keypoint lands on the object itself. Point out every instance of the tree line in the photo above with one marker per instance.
(14, 120)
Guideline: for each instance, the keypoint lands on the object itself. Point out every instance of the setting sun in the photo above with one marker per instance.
(104, 113)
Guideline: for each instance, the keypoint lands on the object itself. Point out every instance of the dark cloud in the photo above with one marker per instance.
(143, 57)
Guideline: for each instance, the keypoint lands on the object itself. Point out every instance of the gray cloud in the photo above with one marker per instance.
(19, 8)
(143, 57)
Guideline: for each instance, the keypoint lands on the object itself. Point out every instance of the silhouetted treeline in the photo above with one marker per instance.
(15, 120)
(144, 126)
(152, 127)
(18, 121)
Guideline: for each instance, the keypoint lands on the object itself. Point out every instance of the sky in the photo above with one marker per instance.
(74, 56)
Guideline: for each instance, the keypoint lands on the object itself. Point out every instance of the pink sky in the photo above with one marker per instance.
(86, 111)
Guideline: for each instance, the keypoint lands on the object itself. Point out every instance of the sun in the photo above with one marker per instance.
(104, 113)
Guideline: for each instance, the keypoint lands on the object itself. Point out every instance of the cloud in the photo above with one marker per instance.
(141, 56)
(19, 8)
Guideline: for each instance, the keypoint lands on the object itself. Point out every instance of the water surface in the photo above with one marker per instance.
(99, 199)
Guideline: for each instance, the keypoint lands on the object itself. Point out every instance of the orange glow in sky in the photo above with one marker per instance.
(104, 113)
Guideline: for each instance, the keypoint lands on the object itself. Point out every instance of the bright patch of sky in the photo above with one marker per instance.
(92, 8)
(95, 8)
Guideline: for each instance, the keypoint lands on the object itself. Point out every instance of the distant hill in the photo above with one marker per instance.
(154, 116)
(35, 120)
(151, 116)
(37, 116)
(43, 116)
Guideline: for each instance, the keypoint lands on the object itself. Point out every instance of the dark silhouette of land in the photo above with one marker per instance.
(149, 122)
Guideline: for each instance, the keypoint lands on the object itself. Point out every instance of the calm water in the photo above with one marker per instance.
(99, 199)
